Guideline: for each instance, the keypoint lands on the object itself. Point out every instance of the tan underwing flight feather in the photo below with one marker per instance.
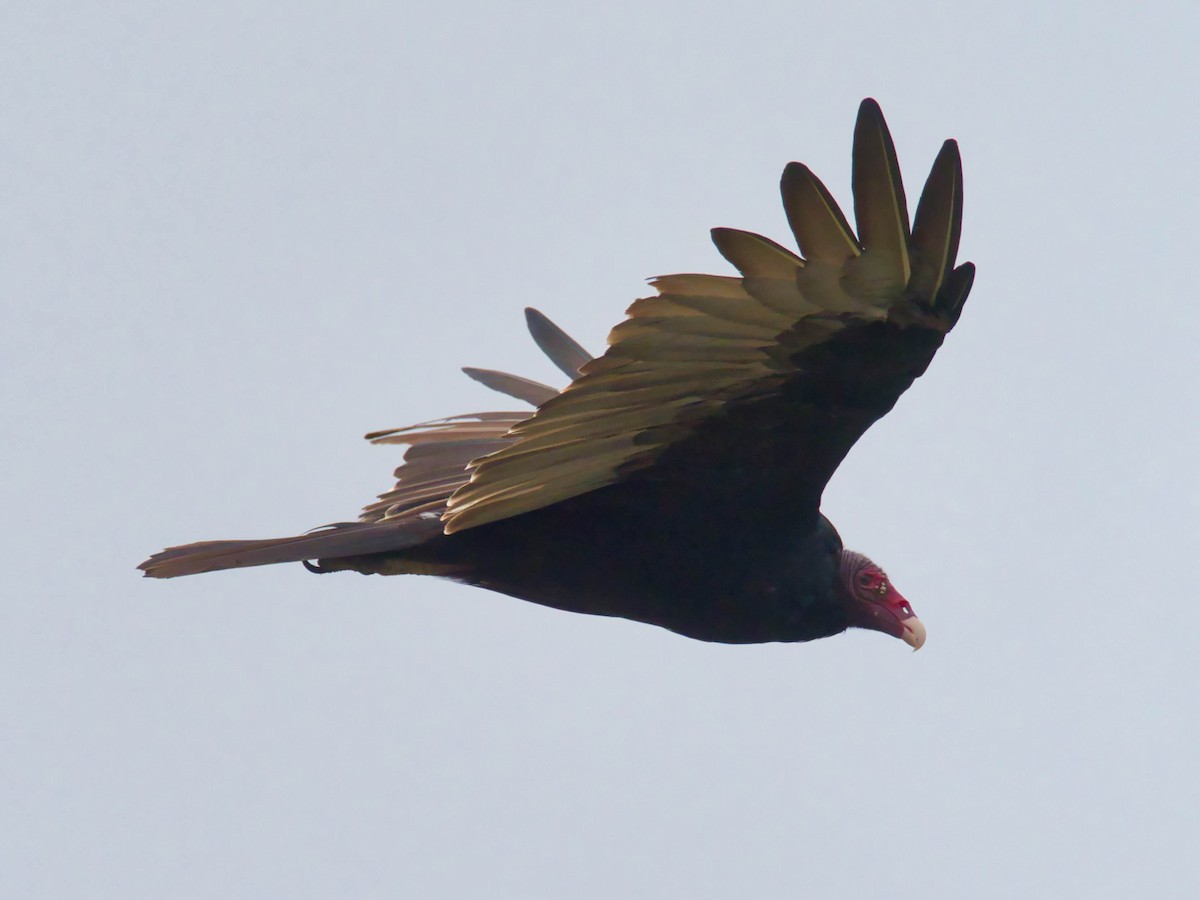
(938, 223)
(532, 392)
(821, 230)
(756, 256)
(562, 349)
(880, 209)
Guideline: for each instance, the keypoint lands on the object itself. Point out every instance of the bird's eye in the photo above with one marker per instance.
(865, 579)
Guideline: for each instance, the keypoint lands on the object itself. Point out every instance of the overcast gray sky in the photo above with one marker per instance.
(237, 236)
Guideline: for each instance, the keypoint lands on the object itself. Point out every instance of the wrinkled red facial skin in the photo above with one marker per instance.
(871, 599)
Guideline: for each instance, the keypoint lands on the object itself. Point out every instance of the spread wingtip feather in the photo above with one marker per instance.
(532, 392)
(564, 351)
(756, 256)
(955, 290)
(938, 223)
(880, 207)
(821, 230)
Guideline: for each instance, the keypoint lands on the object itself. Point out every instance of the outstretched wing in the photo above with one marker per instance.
(761, 382)
(722, 394)
(434, 466)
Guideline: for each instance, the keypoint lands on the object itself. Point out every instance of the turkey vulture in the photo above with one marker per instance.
(677, 479)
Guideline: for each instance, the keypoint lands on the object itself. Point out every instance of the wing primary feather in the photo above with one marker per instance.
(821, 230)
(727, 287)
(734, 311)
(938, 223)
(563, 350)
(756, 256)
(954, 291)
(880, 208)
(532, 392)
(469, 425)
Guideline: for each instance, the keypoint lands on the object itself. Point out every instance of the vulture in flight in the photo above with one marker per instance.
(677, 479)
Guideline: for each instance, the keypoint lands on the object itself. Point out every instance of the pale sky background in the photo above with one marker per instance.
(237, 236)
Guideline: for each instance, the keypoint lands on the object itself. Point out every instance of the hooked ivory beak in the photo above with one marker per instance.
(913, 633)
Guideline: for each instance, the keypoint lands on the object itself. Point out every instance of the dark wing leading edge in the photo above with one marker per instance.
(752, 389)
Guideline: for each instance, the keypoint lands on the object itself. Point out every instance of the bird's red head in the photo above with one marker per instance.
(874, 603)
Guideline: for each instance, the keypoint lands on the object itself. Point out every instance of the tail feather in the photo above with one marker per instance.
(349, 539)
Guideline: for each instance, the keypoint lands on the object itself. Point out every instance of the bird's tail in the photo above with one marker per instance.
(344, 539)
